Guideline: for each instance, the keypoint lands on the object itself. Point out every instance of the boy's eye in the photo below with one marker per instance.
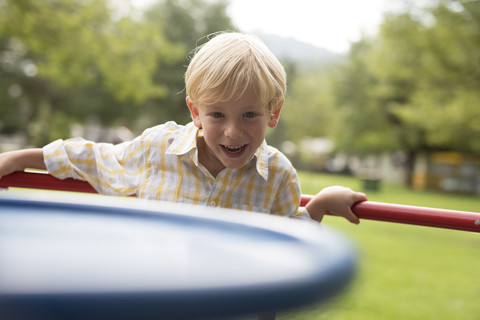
(249, 114)
(217, 114)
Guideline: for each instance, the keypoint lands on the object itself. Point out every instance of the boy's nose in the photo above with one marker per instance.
(233, 130)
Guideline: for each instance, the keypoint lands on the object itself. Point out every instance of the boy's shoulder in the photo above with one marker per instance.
(170, 134)
(277, 158)
(280, 169)
(168, 128)
(273, 151)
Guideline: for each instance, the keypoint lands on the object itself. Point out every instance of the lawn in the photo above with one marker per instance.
(405, 272)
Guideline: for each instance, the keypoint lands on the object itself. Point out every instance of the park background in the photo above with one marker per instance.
(397, 115)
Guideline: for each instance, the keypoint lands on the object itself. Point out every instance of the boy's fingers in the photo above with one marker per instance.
(360, 196)
(349, 215)
(352, 217)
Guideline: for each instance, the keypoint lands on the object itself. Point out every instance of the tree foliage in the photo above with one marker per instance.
(429, 74)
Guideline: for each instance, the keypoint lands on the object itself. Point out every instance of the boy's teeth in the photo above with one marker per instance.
(234, 148)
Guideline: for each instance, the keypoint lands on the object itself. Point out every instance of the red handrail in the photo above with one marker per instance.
(414, 215)
(422, 216)
(40, 180)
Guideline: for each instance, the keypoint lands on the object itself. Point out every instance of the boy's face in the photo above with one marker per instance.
(232, 130)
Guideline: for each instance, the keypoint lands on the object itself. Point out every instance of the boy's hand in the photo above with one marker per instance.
(337, 201)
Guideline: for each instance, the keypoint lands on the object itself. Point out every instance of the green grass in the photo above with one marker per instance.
(405, 272)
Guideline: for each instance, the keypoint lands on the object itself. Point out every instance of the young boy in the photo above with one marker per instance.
(235, 90)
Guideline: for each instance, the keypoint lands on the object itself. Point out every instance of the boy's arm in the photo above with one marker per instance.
(337, 201)
(19, 160)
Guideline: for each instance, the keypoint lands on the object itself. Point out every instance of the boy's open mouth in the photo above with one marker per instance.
(234, 149)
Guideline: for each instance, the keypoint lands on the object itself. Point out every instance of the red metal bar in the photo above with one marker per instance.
(40, 180)
(422, 216)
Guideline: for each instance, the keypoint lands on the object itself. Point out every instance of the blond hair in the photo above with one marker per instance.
(231, 63)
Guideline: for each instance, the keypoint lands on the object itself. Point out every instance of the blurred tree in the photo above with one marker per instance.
(394, 63)
(69, 59)
(358, 122)
(304, 112)
(445, 102)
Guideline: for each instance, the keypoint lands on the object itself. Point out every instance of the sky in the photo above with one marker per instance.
(329, 24)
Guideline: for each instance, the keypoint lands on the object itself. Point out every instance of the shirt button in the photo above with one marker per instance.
(213, 203)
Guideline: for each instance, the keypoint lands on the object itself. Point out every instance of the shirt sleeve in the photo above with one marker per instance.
(302, 213)
(110, 169)
(287, 196)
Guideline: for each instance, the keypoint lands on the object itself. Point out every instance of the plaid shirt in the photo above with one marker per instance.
(162, 164)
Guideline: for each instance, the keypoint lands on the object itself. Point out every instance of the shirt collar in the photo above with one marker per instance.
(185, 143)
(262, 160)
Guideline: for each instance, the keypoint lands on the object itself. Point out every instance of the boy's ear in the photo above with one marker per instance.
(194, 112)
(275, 115)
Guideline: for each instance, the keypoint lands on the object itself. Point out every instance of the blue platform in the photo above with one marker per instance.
(113, 258)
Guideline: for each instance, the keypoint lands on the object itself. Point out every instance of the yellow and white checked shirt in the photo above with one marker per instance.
(162, 164)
